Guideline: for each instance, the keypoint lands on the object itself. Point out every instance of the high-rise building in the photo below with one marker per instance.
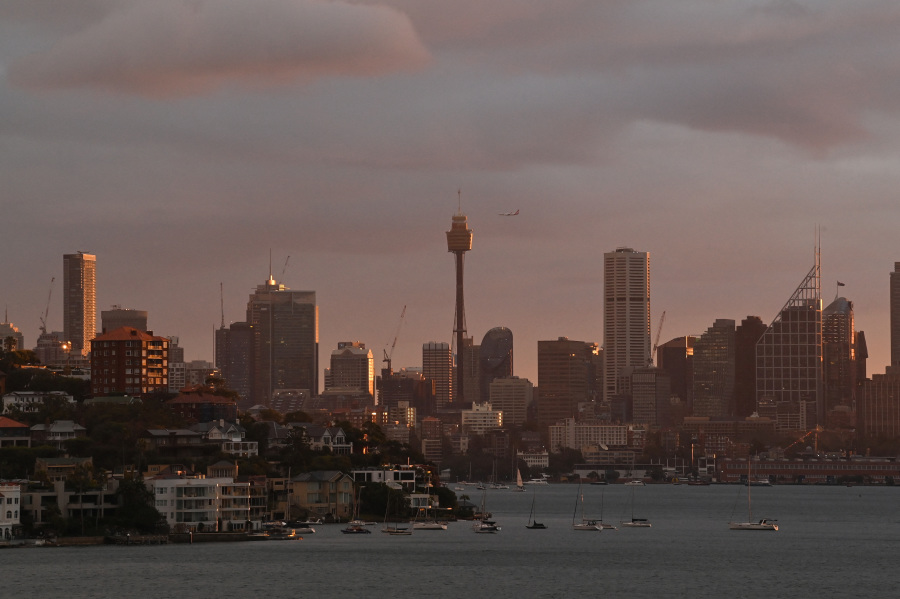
(650, 396)
(352, 367)
(129, 361)
(713, 387)
(676, 357)
(839, 354)
(789, 358)
(459, 241)
(437, 365)
(79, 300)
(512, 396)
(118, 317)
(467, 361)
(745, 337)
(626, 315)
(895, 315)
(286, 336)
(495, 359)
(565, 378)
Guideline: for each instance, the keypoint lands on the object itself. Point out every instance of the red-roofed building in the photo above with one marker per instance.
(197, 405)
(14, 433)
(126, 360)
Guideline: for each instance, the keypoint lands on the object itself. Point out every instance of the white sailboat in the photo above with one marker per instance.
(483, 525)
(429, 522)
(584, 524)
(601, 523)
(762, 524)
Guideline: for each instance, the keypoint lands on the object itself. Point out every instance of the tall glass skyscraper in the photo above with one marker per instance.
(626, 314)
(789, 358)
(79, 301)
(286, 334)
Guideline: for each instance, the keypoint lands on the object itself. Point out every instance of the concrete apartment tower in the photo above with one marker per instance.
(459, 241)
(626, 315)
(79, 301)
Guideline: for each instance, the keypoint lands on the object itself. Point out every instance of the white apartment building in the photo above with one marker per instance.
(481, 419)
(626, 314)
(574, 435)
(204, 504)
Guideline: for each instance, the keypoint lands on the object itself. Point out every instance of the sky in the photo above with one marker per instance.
(183, 141)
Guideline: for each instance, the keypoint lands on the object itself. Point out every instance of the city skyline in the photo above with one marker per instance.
(715, 138)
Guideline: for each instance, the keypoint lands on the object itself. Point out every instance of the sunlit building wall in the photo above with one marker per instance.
(626, 315)
(79, 301)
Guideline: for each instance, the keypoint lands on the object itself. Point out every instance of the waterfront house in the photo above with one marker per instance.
(323, 494)
(202, 504)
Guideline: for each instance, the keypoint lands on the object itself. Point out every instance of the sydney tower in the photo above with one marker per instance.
(459, 241)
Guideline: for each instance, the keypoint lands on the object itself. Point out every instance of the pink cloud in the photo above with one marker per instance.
(164, 48)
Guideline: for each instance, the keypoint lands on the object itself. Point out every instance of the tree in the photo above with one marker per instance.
(137, 510)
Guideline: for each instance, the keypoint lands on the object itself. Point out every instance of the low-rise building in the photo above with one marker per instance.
(10, 512)
(324, 494)
(229, 436)
(14, 434)
(31, 401)
(56, 433)
(576, 435)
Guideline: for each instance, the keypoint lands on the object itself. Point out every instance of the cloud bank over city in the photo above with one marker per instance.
(181, 141)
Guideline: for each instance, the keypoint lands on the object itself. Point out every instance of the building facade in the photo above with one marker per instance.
(565, 378)
(79, 300)
(511, 396)
(626, 315)
(352, 367)
(118, 317)
(437, 365)
(713, 384)
(789, 358)
(495, 359)
(286, 349)
(129, 361)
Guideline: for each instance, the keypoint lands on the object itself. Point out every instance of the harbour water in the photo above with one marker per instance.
(833, 541)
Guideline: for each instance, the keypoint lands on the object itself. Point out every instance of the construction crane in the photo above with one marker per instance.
(662, 319)
(387, 355)
(284, 268)
(47, 309)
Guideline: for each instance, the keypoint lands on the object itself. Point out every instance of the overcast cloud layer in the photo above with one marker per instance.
(180, 141)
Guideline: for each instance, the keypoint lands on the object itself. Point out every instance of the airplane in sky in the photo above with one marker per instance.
(516, 213)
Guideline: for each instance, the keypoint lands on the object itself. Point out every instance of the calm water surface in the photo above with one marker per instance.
(833, 542)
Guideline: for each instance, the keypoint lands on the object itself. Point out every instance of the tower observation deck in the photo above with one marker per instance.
(459, 241)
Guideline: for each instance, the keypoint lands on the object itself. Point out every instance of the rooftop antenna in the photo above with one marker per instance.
(459, 201)
(222, 302)
(270, 264)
